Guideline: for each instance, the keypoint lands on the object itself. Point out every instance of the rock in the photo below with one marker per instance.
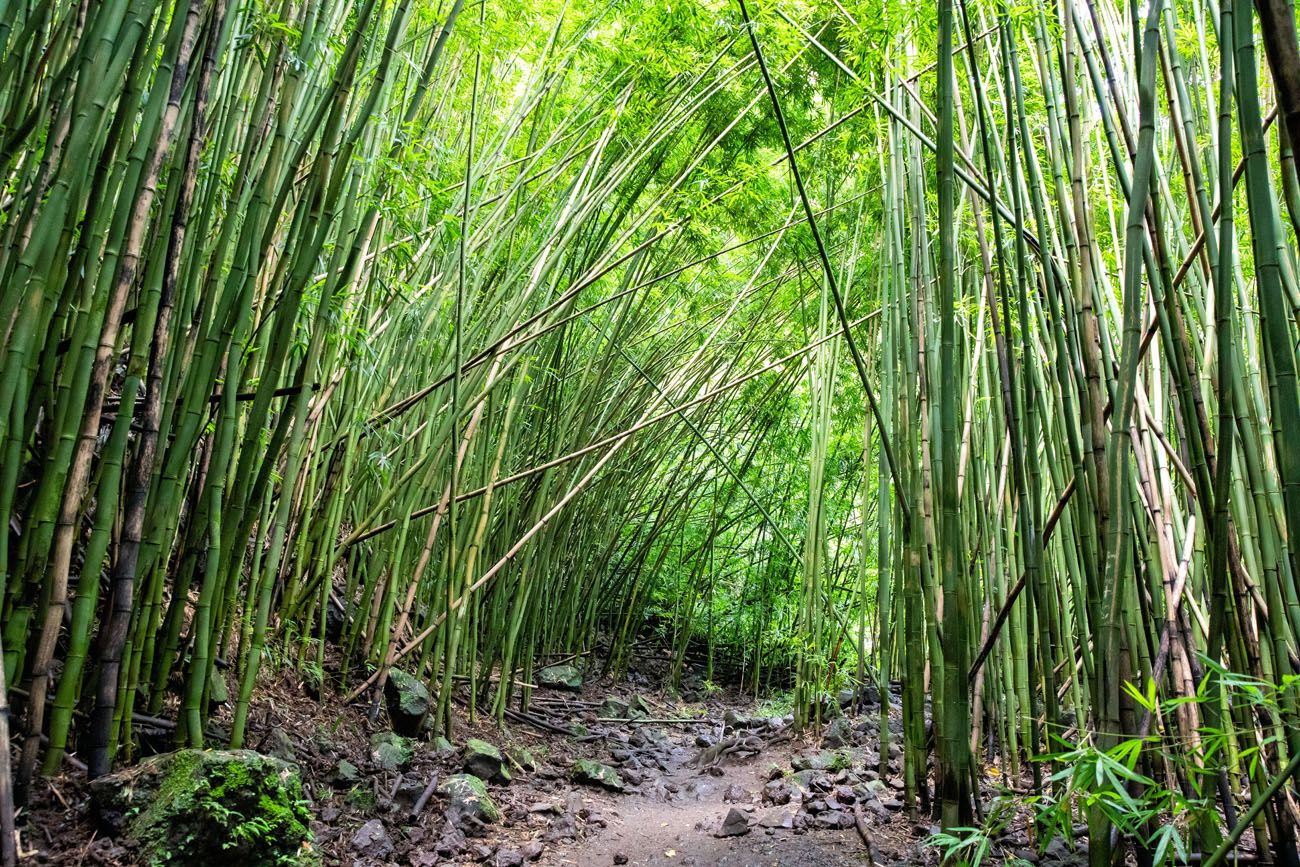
(218, 691)
(560, 677)
(839, 733)
(844, 697)
(442, 746)
(484, 761)
(834, 819)
(407, 700)
(344, 774)
(620, 858)
(704, 741)
(532, 850)
(777, 792)
(579, 730)
(198, 807)
(277, 743)
(592, 773)
(777, 817)
(391, 751)
(736, 795)
(508, 858)
(735, 824)
(451, 843)
(613, 707)
(821, 761)
(523, 758)
(468, 803)
(372, 840)
(563, 827)
(733, 720)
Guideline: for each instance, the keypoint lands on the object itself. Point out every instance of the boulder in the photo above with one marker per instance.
(839, 733)
(614, 708)
(198, 807)
(592, 773)
(734, 824)
(484, 761)
(407, 700)
(523, 758)
(820, 761)
(391, 751)
(372, 840)
(279, 744)
(468, 803)
(560, 677)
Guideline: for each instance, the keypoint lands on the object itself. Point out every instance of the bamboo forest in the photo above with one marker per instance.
(674, 432)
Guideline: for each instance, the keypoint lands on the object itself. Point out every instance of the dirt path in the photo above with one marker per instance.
(675, 820)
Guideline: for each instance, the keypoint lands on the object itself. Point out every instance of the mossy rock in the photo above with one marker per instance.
(484, 761)
(613, 708)
(592, 773)
(362, 797)
(407, 700)
(826, 760)
(200, 807)
(467, 799)
(523, 758)
(839, 733)
(560, 677)
(391, 751)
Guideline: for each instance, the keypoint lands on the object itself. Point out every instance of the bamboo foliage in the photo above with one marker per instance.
(358, 337)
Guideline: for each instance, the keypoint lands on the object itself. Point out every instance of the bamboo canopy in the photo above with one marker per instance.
(951, 346)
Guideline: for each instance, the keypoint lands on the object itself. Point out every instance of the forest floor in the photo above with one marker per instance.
(717, 781)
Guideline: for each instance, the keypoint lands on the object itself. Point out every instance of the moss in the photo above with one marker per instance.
(195, 808)
(362, 798)
(469, 796)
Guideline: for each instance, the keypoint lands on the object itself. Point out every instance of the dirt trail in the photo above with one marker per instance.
(679, 831)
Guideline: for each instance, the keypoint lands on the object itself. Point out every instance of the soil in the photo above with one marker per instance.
(671, 812)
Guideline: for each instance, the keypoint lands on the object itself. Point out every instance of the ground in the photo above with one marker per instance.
(678, 792)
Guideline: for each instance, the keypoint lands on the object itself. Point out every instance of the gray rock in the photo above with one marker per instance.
(468, 804)
(834, 819)
(592, 773)
(523, 758)
(819, 761)
(391, 751)
(613, 707)
(372, 840)
(560, 677)
(407, 700)
(278, 743)
(839, 733)
(736, 795)
(777, 817)
(484, 761)
(508, 858)
(734, 824)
